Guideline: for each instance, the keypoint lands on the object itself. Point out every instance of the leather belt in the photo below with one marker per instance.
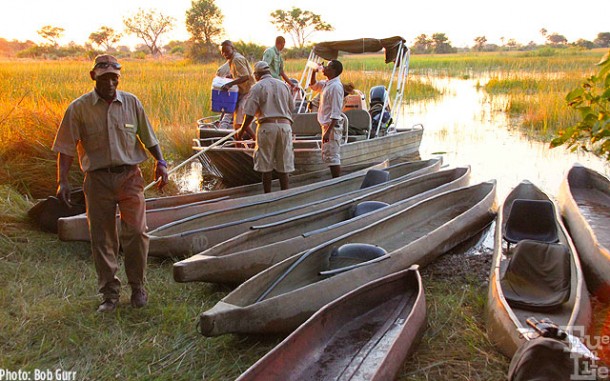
(117, 169)
(275, 120)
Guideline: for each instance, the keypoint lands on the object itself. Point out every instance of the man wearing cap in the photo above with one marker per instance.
(276, 63)
(270, 100)
(329, 114)
(109, 129)
(239, 67)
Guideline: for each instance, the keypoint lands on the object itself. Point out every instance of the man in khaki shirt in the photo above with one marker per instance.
(242, 73)
(270, 100)
(109, 129)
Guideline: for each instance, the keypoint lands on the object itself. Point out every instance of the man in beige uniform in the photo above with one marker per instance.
(240, 70)
(270, 100)
(108, 129)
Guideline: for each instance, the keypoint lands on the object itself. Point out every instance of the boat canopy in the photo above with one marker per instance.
(330, 50)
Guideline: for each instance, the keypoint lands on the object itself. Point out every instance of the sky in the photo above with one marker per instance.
(249, 21)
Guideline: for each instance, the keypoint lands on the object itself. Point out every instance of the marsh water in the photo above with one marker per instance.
(466, 126)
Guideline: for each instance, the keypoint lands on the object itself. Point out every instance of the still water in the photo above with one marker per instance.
(470, 128)
(467, 127)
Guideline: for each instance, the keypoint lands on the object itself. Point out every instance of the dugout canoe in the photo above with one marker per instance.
(584, 200)
(364, 335)
(163, 210)
(283, 296)
(243, 256)
(196, 233)
(539, 275)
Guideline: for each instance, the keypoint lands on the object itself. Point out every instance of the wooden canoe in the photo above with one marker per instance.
(236, 165)
(243, 256)
(584, 200)
(163, 210)
(285, 295)
(364, 335)
(506, 322)
(196, 233)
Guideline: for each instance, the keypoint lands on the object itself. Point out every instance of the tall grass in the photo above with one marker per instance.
(174, 93)
(537, 103)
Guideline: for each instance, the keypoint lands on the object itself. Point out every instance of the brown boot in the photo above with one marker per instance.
(108, 305)
(139, 298)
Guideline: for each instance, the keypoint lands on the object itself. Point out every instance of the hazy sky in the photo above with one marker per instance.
(249, 21)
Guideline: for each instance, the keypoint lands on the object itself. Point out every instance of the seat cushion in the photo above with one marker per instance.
(538, 276)
(531, 219)
(367, 207)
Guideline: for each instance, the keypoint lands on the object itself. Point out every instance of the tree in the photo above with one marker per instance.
(441, 43)
(204, 21)
(51, 34)
(105, 38)
(556, 39)
(422, 44)
(299, 24)
(603, 40)
(149, 26)
(592, 101)
(479, 43)
(585, 44)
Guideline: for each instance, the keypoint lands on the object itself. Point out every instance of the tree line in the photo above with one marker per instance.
(204, 23)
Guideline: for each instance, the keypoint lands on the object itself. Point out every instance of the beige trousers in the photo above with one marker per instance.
(104, 191)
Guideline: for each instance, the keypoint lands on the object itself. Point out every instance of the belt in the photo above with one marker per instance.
(117, 169)
(275, 120)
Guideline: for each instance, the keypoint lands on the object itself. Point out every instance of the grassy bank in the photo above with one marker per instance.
(48, 319)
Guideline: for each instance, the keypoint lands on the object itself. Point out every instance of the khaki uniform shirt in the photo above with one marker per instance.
(105, 135)
(331, 101)
(239, 66)
(269, 98)
(276, 63)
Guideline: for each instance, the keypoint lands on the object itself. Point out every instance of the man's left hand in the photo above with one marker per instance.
(161, 175)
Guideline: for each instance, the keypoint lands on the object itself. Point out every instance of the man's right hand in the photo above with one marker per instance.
(63, 194)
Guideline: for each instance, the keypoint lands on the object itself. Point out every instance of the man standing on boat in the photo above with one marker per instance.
(276, 63)
(329, 114)
(270, 100)
(240, 70)
(109, 130)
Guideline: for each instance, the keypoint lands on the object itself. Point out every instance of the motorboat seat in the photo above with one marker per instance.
(375, 177)
(531, 219)
(538, 276)
(352, 255)
(367, 207)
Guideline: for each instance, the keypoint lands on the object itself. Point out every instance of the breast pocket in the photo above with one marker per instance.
(127, 134)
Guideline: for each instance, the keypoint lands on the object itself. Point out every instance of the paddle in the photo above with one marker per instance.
(215, 144)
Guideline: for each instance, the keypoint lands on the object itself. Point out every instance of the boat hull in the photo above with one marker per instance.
(285, 295)
(584, 199)
(201, 231)
(506, 325)
(243, 256)
(237, 168)
(364, 335)
(163, 210)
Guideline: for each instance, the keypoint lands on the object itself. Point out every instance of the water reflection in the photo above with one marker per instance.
(469, 127)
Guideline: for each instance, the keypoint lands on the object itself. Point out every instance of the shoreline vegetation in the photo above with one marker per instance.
(47, 287)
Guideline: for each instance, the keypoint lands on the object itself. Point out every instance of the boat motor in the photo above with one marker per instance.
(378, 96)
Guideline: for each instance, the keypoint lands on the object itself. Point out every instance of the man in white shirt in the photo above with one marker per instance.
(329, 114)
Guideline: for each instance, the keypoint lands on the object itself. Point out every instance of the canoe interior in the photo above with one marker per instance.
(270, 204)
(339, 343)
(504, 320)
(591, 192)
(391, 233)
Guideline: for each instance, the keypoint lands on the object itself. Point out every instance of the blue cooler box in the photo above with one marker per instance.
(224, 101)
